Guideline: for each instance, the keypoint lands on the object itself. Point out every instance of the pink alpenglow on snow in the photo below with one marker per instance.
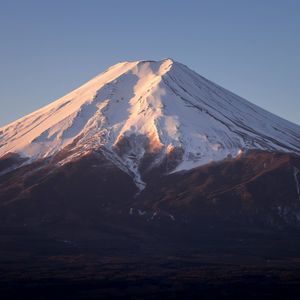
(157, 107)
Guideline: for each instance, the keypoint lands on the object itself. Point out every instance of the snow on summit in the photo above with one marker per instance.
(142, 107)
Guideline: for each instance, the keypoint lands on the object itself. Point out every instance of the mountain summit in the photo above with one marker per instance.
(139, 110)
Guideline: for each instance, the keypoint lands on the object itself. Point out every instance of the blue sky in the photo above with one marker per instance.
(48, 48)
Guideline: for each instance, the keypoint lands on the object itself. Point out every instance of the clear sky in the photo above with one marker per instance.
(48, 48)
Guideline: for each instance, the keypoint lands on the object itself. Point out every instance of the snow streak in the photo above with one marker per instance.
(296, 172)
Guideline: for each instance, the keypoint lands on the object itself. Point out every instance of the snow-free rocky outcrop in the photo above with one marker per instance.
(149, 111)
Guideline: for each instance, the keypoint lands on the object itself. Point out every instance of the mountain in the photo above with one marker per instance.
(137, 110)
(152, 124)
(150, 166)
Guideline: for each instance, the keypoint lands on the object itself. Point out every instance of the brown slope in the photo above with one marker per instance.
(258, 188)
(44, 192)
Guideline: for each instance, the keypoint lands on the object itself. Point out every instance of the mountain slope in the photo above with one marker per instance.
(149, 111)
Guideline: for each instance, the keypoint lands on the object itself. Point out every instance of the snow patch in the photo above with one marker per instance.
(141, 212)
(172, 217)
(296, 172)
(153, 215)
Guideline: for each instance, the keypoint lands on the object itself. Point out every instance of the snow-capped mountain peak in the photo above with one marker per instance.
(153, 108)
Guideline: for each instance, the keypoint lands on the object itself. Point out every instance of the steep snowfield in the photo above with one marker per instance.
(142, 107)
